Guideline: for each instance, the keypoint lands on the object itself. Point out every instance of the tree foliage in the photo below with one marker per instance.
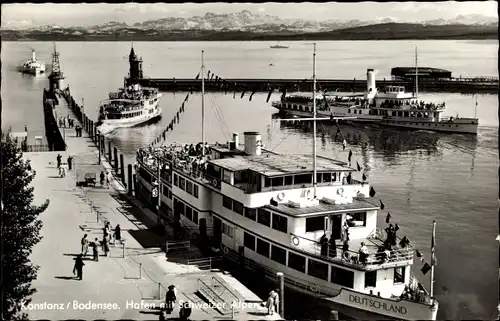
(20, 231)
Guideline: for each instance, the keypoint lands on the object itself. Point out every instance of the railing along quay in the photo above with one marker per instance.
(471, 85)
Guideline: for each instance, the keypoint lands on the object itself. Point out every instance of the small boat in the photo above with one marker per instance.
(129, 107)
(272, 212)
(278, 46)
(32, 66)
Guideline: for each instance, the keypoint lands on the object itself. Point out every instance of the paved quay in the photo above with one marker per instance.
(133, 280)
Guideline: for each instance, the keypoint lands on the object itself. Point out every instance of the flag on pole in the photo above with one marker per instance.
(208, 75)
(364, 177)
(418, 253)
(359, 167)
(382, 205)
(269, 95)
(197, 76)
(187, 97)
(426, 268)
(242, 94)
(251, 95)
(388, 217)
(372, 192)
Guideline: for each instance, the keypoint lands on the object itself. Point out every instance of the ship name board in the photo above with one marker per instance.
(372, 303)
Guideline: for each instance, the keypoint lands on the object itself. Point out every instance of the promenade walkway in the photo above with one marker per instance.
(133, 280)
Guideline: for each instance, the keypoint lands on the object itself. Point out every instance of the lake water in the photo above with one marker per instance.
(420, 176)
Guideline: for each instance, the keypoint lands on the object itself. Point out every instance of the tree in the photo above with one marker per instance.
(20, 230)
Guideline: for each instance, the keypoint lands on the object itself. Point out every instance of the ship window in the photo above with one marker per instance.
(358, 219)
(278, 254)
(251, 213)
(355, 111)
(195, 216)
(189, 212)
(263, 248)
(227, 202)
(182, 183)
(267, 182)
(176, 180)
(264, 217)
(249, 241)
(288, 180)
(169, 194)
(228, 230)
(399, 274)
(342, 277)
(303, 179)
(195, 190)
(297, 262)
(189, 187)
(393, 113)
(348, 111)
(327, 177)
(280, 223)
(371, 279)
(277, 181)
(334, 177)
(314, 224)
(164, 190)
(317, 269)
(238, 207)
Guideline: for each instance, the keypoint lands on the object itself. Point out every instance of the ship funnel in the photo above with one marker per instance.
(253, 143)
(370, 80)
(33, 54)
(236, 139)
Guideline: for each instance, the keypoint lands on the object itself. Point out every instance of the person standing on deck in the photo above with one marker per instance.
(105, 244)
(118, 233)
(95, 251)
(324, 244)
(78, 268)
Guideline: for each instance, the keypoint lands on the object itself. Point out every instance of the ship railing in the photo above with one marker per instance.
(349, 257)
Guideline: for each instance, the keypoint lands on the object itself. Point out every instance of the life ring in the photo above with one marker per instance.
(214, 182)
(281, 196)
(340, 191)
(226, 250)
(295, 241)
(314, 288)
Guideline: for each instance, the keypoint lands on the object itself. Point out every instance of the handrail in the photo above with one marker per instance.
(225, 287)
(217, 297)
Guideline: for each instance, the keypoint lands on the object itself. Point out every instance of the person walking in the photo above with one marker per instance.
(85, 245)
(102, 177)
(78, 268)
(105, 244)
(118, 233)
(170, 299)
(70, 162)
(59, 159)
(95, 250)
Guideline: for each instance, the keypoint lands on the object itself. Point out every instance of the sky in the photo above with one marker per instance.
(91, 14)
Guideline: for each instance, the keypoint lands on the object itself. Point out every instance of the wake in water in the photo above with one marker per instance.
(105, 129)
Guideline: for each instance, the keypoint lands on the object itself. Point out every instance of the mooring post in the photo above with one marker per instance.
(140, 270)
(115, 157)
(109, 153)
(122, 169)
(159, 291)
(281, 278)
(133, 182)
(123, 249)
(99, 147)
(129, 178)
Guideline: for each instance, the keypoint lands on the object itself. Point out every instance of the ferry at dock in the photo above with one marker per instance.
(129, 106)
(304, 215)
(32, 66)
(391, 106)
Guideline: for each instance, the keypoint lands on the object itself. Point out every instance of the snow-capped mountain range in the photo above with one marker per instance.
(247, 21)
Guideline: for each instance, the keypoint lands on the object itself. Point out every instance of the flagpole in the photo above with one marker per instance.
(416, 73)
(314, 122)
(433, 257)
(202, 104)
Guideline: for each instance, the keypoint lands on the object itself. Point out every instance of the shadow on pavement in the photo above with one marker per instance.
(66, 278)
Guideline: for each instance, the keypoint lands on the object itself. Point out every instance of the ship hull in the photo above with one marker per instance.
(459, 125)
(32, 71)
(131, 122)
(360, 306)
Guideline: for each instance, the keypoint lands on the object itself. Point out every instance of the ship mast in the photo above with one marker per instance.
(315, 183)
(202, 104)
(416, 73)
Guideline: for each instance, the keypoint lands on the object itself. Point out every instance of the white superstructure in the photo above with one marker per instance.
(129, 107)
(32, 66)
(271, 212)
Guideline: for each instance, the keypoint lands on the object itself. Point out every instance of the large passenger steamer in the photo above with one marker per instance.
(303, 215)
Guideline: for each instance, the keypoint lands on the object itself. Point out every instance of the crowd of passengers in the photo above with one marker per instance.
(188, 157)
(132, 94)
(420, 105)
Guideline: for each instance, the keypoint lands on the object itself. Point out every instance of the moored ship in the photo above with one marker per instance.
(391, 106)
(32, 66)
(273, 212)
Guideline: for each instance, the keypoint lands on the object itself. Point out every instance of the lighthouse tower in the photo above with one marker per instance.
(56, 78)
(135, 71)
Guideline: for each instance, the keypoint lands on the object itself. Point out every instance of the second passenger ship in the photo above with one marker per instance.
(303, 215)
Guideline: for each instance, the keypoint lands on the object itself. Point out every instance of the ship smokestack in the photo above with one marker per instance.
(370, 81)
(236, 140)
(253, 143)
(33, 54)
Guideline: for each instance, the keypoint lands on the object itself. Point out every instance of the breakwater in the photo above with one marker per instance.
(456, 85)
(55, 139)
